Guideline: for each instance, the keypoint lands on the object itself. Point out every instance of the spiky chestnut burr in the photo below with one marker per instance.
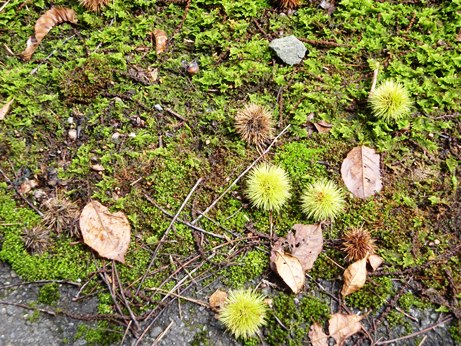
(254, 124)
(357, 243)
(390, 101)
(243, 313)
(322, 200)
(268, 187)
(36, 240)
(94, 5)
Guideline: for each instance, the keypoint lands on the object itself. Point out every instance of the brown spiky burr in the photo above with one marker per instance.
(357, 243)
(61, 215)
(289, 4)
(254, 124)
(94, 5)
(36, 240)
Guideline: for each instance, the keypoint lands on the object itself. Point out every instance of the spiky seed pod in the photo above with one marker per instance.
(268, 187)
(94, 5)
(289, 4)
(322, 200)
(61, 215)
(254, 124)
(243, 313)
(357, 242)
(36, 240)
(390, 101)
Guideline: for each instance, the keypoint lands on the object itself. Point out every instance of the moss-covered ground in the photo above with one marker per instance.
(103, 78)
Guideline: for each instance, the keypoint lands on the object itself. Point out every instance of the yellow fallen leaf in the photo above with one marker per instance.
(290, 270)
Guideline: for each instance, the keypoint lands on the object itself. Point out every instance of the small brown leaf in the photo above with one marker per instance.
(97, 168)
(291, 271)
(322, 126)
(5, 109)
(355, 277)
(317, 336)
(306, 244)
(160, 40)
(107, 233)
(217, 300)
(44, 24)
(27, 185)
(360, 172)
(375, 261)
(342, 326)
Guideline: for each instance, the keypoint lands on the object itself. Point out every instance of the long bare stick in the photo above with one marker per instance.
(241, 175)
(160, 243)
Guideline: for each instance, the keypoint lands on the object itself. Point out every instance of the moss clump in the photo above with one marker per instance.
(248, 267)
(101, 335)
(409, 300)
(372, 296)
(296, 317)
(49, 294)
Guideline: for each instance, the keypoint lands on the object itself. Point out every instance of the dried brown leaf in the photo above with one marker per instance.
(290, 270)
(317, 336)
(375, 261)
(27, 185)
(360, 172)
(5, 109)
(44, 24)
(306, 244)
(105, 232)
(322, 126)
(217, 300)
(355, 277)
(160, 40)
(342, 326)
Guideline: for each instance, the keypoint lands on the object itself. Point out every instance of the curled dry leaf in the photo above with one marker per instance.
(323, 127)
(290, 270)
(105, 232)
(160, 40)
(375, 261)
(44, 24)
(317, 336)
(360, 172)
(5, 109)
(306, 244)
(217, 300)
(342, 326)
(355, 277)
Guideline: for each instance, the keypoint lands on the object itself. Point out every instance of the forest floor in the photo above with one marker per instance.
(97, 114)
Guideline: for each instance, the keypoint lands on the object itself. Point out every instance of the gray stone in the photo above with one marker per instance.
(289, 49)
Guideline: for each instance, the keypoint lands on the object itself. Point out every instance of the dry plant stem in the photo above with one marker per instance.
(192, 300)
(126, 332)
(165, 235)
(448, 319)
(271, 223)
(179, 116)
(20, 194)
(375, 79)
(39, 282)
(162, 334)
(211, 206)
(182, 221)
(127, 304)
(183, 19)
(323, 43)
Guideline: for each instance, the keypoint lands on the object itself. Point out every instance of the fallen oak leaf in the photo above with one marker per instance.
(375, 261)
(306, 244)
(290, 270)
(355, 277)
(317, 336)
(44, 24)
(342, 326)
(105, 232)
(361, 173)
(5, 109)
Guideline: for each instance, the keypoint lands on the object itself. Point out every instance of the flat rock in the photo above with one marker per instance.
(289, 49)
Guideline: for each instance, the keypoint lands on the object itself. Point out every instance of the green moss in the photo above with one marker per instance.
(372, 296)
(296, 318)
(247, 267)
(49, 294)
(409, 300)
(101, 335)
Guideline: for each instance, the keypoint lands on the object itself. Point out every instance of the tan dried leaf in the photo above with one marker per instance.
(44, 24)
(97, 167)
(306, 244)
(355, 277)
(322, 126)
(5, 109)
(342, 326)
(360, 172)
(105, 232)
(217, 300)
(290, 270)
(317, 336)
(160, 40)
(375, 261)
(27, 185)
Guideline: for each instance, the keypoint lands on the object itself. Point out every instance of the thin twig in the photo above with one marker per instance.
(179, 116)
(192, 300)
(241, 175)
(162, 334)
(165, 235)
(448, 319)
(375, 79)
(39, 282)
(20, 194)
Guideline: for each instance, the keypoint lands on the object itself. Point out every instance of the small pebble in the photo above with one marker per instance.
(158, 107)
(72, 134)
(115, 137)
(70, 120)
(132, 135)
(436, 242)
